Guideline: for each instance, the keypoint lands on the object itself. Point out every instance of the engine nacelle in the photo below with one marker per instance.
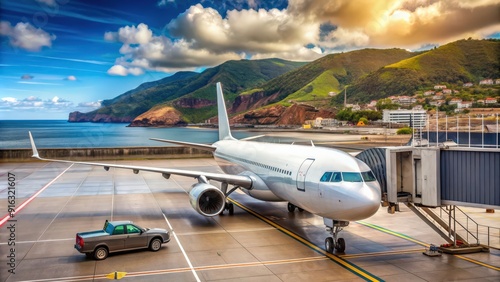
(207, 199)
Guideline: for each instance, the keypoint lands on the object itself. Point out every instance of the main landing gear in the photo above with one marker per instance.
(334, 227)
(291, 208)
(228, 206)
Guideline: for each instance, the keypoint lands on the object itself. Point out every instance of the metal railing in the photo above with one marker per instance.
(480, 233)
(457, 225)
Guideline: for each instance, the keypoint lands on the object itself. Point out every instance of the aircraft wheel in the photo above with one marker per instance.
(101, 253)
(291, 207)
(329, 245)
(340, 247)
(391, 209)
(230, 208)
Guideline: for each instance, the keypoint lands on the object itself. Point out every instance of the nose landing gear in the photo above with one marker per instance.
(334, 227)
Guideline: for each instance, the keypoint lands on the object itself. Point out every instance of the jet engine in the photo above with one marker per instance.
(207, 199)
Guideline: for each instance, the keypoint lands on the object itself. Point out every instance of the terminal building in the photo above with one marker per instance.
(414, 118)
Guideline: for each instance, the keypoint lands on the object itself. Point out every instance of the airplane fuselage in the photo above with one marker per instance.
(293, 173)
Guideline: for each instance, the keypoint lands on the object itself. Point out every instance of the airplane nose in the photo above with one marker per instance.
(368, 202)
(371, 197)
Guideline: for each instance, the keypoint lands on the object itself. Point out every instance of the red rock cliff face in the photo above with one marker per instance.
(249, 102)
(159, 117)
(194, 103)
(280, 115)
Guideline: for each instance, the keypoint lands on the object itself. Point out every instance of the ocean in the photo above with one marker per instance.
(63, 134)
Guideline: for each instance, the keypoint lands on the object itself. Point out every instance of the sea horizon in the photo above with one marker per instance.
(56, 133)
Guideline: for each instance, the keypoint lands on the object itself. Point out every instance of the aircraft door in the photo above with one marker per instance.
(301, 175)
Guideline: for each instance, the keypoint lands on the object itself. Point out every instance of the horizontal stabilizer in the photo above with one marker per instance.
(33, 147)
(204, 147)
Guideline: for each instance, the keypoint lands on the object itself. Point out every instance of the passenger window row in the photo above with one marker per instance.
(279, 170)
(337, 176)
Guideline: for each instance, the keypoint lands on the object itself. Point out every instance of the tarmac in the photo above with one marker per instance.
(262, 241)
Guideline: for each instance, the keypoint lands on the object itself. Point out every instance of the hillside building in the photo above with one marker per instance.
(488, 81)
(414, 118)
(490, 101)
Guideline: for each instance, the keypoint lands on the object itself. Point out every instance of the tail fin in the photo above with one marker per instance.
(224, 130)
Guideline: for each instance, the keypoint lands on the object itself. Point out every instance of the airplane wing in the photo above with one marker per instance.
(189, 144)
(238, 180)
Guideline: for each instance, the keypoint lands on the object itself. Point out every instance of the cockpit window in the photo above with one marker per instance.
(352, 177)
(368, 176)
(326, 177)
(336, 177)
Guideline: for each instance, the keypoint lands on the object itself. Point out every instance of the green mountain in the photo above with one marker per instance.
(198, 87)
(327, 74)
(367, 74)
(454, 63)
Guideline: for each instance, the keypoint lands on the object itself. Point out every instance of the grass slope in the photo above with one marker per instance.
(330, 73)
(454, 63)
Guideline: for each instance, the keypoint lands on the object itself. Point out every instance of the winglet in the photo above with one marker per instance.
(33, 147)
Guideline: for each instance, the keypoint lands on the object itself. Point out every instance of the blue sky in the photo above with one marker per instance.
(58, 56)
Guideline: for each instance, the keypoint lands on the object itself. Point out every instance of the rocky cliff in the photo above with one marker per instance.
(193, 103)
(159, 117)
(280, 115)
(255, 100)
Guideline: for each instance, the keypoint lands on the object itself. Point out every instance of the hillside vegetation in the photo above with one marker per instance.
(454, 63)
(330, 74)
(234, 75)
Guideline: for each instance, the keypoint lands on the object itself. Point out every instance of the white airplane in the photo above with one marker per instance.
(326, 182)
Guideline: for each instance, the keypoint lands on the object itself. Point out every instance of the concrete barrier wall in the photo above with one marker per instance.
(93, 154)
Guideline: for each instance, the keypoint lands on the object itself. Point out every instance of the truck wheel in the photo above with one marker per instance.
(101, 253)
(155, 245)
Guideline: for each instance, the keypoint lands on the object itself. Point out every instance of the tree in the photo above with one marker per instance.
(386, 104)
(363, 120)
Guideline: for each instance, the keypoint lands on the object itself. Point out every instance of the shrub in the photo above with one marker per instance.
(404, 130)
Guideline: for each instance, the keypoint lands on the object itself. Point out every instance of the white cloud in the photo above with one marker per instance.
(247, 31)
(26, 36)
(35, 103)
(121, 70)
(9, 99)
(204, 38)
(135, 35)
(118, 70)
(305, 30)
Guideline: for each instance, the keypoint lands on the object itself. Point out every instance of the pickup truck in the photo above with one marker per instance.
(117, 236)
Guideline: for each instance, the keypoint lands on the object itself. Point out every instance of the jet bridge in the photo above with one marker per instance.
(433, 176)
(426, 178)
